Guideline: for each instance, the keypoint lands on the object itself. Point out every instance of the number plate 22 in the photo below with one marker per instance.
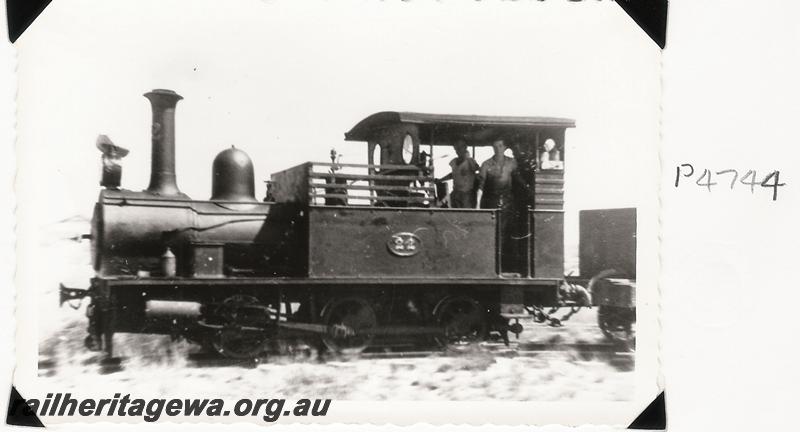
(404, 244)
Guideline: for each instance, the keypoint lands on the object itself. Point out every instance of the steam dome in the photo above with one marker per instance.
(232, 177)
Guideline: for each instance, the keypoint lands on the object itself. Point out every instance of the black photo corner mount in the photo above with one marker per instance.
(19, 413)
(654, 417)
(650, 15)
(20, 15)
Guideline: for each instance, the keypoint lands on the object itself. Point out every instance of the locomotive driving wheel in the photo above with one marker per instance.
(617, 324)
(462, 320)
(241, 336)
(347, 319)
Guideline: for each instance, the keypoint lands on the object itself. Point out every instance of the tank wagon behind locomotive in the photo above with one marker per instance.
(349, 254)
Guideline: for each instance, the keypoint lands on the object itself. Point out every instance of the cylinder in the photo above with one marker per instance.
(232, 177)
(172, 309)
(162, 173)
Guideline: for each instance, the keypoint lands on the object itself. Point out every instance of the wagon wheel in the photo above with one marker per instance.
(348, 318)
(233, 341)
(463, 322)
(617, 324)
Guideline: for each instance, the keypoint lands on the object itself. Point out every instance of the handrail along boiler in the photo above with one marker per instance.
(345, 254)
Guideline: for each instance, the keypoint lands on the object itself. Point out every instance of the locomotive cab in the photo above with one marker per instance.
(385, 195)
(533, 246)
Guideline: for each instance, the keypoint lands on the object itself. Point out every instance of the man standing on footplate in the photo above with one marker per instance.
(495, 182)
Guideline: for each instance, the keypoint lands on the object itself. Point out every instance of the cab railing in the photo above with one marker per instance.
(325, 183)
(370, 184)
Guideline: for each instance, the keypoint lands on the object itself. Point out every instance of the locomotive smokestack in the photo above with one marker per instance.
(162, 173)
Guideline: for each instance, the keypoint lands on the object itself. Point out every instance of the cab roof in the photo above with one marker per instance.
(452, 125)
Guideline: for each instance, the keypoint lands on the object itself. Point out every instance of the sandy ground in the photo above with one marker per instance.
(156, 365)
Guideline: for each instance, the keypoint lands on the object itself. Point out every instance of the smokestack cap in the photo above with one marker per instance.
(169, 95)
(232, 177)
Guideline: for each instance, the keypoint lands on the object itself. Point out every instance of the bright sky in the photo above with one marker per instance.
(283, 80)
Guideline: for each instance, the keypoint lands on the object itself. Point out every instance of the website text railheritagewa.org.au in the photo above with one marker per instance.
(151, 410)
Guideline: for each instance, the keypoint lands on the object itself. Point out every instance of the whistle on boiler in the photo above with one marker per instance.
(112, 155)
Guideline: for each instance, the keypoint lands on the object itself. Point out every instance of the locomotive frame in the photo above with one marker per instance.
(233, 273)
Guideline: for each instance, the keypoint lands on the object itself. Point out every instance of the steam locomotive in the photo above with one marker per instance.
(348, 255)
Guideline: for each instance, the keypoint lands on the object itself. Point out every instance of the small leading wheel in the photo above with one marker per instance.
(462, 320)
(617, 324)
(240, 338)
(348, 318)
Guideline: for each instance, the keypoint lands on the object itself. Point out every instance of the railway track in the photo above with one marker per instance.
(621, 360)
(551, 343)
(612, 354)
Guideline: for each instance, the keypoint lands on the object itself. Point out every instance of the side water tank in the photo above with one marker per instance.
(232, 177)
